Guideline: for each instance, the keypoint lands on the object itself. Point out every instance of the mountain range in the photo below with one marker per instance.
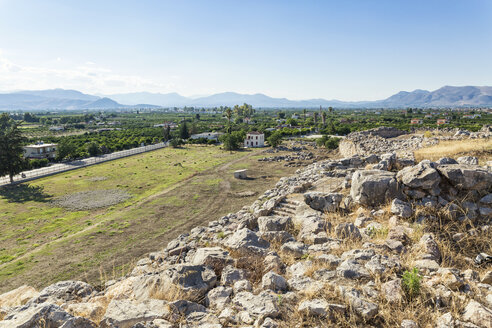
(447, 96)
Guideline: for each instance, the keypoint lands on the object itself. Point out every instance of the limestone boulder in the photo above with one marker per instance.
(373, 187)
(274, 223)
(188, 282)
(246, 242)
(324, 202)
(32, 315)
(466, 177)
(18, 296)
(467, 160)
(126, 313)
(274, 282)
(422, 176)
(214, 257)
(262, 305)
(64, 291)
(401, 208)
(478, 314)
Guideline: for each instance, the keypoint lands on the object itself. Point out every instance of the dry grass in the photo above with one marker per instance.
(482, 148)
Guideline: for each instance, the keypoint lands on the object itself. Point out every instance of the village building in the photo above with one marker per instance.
(207, 135)
(254, 139)
(441, 121)
(171, 125)
(40, 150)
(416, 121)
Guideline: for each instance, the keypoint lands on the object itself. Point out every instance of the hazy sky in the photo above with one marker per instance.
(346, 49)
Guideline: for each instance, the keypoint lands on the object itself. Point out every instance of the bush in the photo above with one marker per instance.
(232, 141)
(328, 142)
(176, 142)
(37, 163)
(332, 143)
(275, 139)
(411, 282)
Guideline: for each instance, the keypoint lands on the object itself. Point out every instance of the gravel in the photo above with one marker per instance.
(88, 200)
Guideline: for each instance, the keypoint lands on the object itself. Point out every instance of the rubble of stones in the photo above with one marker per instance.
(256, 267)
(298, 156)
(386, 139)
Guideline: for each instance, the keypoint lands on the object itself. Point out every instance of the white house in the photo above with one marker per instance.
(207, 135)
(40, 150)
(254, 139)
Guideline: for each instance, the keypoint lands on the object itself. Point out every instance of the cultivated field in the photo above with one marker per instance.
(152, 198)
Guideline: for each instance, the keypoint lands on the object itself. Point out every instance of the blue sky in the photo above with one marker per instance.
(347, 50)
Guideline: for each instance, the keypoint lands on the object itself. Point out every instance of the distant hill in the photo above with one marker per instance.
(165, 100)
(447, 96)
(54, 99)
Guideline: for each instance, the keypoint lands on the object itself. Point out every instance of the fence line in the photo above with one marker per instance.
(63, 167)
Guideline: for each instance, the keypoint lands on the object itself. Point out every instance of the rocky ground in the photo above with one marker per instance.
(364, 241)
(385, 139)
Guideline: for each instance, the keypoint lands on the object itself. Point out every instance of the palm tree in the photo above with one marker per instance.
(228, 114)
(304, 113)
(323, 118)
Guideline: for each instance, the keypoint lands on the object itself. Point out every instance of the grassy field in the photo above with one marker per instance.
(472, 147)
(171, 191)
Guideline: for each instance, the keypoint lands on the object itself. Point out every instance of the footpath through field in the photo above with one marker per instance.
(62, 167)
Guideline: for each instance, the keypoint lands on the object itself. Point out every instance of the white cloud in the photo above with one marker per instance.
(87, 78)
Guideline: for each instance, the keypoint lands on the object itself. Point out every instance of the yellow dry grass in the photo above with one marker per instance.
(482, 148)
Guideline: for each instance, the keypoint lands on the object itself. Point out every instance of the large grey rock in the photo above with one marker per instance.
(125, 313)
(347, 231)
(274, 223)
(352, 269)
(274, 282)
(466, 177)
(78, 322)
(246, 242)
(430, 247)
(218, 297)
(260, 306)
(373, 187)
(478, 314)
(214, 257)
(317, 307)
(392, 291)
(467, 160)
(364, 308)
(422, 175)
(189, 282)
(294, 248)
(36, 316)
(401, 208)
(64, 291)
(18, 296)
(230, 275)
(322, 201)
(446, 160)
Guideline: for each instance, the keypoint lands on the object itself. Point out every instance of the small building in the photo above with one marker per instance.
(207, 135)
(441, 121)
(171, 125)
(428, 116)
(254, 139)
(295, 116)
(240, 174)
(56, 128)
(416, 121)
(40, 150)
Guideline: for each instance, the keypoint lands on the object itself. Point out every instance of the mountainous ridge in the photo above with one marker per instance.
(447, 96)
